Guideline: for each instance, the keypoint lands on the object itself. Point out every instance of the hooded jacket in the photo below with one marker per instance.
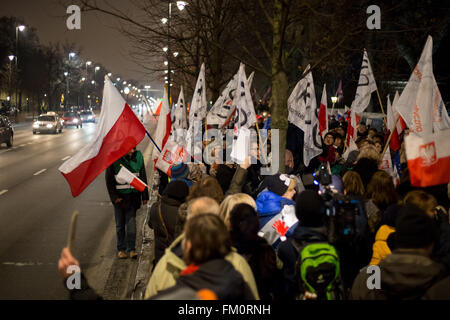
(164, 229)
(403, 276)
(380, 248)
(217, 275)
(168, 269)
(271, 207)
(289, 255)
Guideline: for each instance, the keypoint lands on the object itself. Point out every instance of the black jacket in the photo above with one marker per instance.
(133, 199)
(288, 254)
(164, 229)
(403, 276)
(216, 275)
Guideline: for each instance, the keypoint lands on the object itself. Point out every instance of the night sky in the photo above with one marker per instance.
(97, 38)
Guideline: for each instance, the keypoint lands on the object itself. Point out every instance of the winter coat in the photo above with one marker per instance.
(289, 255)
(164, 225)
(403, 276)
(366, 168)
(439, 291)
(263, 261)
(171, 264)
(380, 247)
(217, 275)
(130, 200)
(271, 207)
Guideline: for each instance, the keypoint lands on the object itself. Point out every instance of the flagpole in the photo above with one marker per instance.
(390, 136)
(381, 104)
(148, 134)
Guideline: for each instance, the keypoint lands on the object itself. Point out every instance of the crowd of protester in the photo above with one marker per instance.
(242, 236)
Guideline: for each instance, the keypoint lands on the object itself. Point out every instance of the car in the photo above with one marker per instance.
(49, 122)
(6, 131)
(72, 118)
(87, 116)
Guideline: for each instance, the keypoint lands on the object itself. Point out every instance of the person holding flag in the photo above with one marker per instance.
(126, 199)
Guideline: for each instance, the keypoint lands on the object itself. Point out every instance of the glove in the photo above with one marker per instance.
(281, 229)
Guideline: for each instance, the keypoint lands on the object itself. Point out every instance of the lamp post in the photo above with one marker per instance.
(20, 28)
(333, 100)
(11, 58)
(181, 5)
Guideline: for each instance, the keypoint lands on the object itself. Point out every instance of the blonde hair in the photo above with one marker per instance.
(202, 205)
(230, 202)
(369, 151)
(353, 184)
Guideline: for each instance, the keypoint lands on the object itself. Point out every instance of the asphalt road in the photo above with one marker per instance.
(35, 211)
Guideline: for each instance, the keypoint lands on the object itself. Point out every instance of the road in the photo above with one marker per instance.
(35, 211)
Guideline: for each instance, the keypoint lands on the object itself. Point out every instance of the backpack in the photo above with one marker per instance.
(318, 271)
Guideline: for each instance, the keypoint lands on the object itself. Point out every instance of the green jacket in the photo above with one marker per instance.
(169, 267)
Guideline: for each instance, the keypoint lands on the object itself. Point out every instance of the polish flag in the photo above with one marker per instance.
(173, 153)
(323, 116)
(401, 124)
(125, 176)
(352, 123)
(163, 128)
(391, 125)
(118, 131)
(428, 158)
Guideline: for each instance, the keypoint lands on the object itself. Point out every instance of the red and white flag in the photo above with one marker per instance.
(118, 131)
(391, 125)
(352, 124)
(323, 116)
(163, 128)
(421, 103)
(173, 153)
(428, 158)
(401, 124)
(126, 177)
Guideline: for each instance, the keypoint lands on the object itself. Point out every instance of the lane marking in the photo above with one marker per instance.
(39, 172)
(65, 158)
(30, 143)
(22, 145)
(3, 192)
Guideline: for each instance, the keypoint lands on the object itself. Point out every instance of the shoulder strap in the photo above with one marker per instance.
(162, 221)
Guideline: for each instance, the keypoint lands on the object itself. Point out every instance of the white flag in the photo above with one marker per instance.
(180, 119)
(420, 103)
(366, 85)
(196, 115)
(302, 106)
(245, 111)
(223, 108)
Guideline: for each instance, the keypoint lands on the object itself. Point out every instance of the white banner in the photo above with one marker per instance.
(366, 85)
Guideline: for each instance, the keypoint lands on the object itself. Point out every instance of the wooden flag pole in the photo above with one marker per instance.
(381, 104)
(260, 139)
(72, 230)
(390, 136)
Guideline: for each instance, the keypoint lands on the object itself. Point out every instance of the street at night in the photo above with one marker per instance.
(259, 154)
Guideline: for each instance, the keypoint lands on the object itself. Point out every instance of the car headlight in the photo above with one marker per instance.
(49, 126)
(75, 121)
(36, 125)
(90, 117)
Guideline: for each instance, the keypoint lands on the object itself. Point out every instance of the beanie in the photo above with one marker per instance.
(179, 171)
(177, 189)
(414, 228)
(278, 183)
(310, 209)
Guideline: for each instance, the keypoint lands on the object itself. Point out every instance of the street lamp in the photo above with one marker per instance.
(72, 55)
(181, 5)
(20, 28)
(333, 100)
(11, 58)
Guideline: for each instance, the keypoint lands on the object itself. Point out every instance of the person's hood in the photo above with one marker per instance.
(307, 234)
(269, 203)
(171, 201)
(217, 275)
(408, 275)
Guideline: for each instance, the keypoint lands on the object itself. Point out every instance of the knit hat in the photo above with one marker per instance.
(177, 189)
(352, 156)
(414, 228)
(278, 183)
(310, 209)
(179, 171)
